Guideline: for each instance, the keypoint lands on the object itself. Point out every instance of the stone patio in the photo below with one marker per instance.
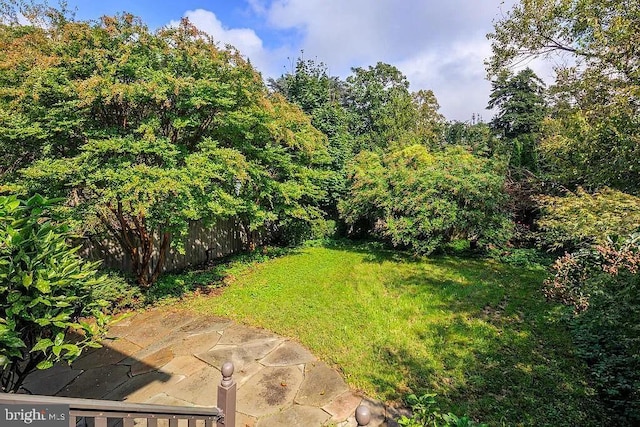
(173, 357)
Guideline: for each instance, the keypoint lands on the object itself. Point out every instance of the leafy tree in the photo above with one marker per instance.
(519, 100)
(476, 137)
(147, 131)
(579, 149)
(421, 200)
(321, 97)
(45, 289)
(382, 107)
(592, 139)
(430, 123)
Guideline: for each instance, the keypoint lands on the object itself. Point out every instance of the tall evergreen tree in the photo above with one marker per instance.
(520, 103)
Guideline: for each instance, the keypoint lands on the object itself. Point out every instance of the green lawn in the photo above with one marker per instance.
(477, 332)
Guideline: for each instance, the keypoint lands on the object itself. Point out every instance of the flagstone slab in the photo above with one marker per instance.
(153, 362)
(195, 344)
(142, 387)
(165, 399)
(112, 352)
(244, 420)
(50, 381)
(240, 355)
(205, 324)
(269, 391)
(170, 319)
(343, 406)
(238, 334)
(147, 334)
(288, 353)
(97, 382)
(320, 386)
(183, 365)
(296, 416)
(242, 376)
(200, 388)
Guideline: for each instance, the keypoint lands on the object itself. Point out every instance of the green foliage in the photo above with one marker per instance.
(144, 132)
(602, 285)
(476, 137)
(321, 97)
(45, 290)
(595, 147)
(423, 200)
(581, 218)
(382, 107)
(426, 413)
(118, 293)
(519, 100)
(592, 139)
(522, 257)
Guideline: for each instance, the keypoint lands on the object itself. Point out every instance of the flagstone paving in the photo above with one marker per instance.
(172, 357)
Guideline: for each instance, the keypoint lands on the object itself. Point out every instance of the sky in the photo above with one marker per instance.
(438, 44)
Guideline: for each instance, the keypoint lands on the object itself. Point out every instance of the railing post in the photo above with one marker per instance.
(363, 416)
(227, 396)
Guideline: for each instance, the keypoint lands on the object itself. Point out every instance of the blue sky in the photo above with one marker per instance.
(438, 44)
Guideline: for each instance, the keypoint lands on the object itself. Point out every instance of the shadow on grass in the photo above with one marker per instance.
(209, 277)
(502, 355)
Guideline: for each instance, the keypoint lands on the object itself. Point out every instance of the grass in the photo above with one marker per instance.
(477, 332)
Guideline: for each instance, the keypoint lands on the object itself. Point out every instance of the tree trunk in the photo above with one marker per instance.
(138, 243)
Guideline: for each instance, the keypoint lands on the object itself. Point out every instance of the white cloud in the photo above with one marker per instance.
(244, 39)
(438, 45)
(457, 77)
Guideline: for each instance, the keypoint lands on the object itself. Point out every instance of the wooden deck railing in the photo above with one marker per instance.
(107, 413)
(102, 413)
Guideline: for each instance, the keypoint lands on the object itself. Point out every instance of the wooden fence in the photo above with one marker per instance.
(201, 245)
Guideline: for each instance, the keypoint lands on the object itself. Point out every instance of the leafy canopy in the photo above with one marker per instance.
(143, 132)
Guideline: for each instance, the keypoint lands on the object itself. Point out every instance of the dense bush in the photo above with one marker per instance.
(602, 285)
(581, 218)
(45, 290)
(422, 200)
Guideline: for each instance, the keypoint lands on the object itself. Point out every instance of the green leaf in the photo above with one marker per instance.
(11, 206)
(36, 200)
(94, 344)
(56, 350)
(42, 344)
(27, 279)
(71, 349)
(12, 342)
(45, 364)
(43, 286)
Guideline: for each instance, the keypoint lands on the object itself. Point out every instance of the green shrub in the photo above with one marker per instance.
(422, 200)
(577, 220)
(602, 285)
(522, 257)
(426, 413)
(45, 290)
(116, 293)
